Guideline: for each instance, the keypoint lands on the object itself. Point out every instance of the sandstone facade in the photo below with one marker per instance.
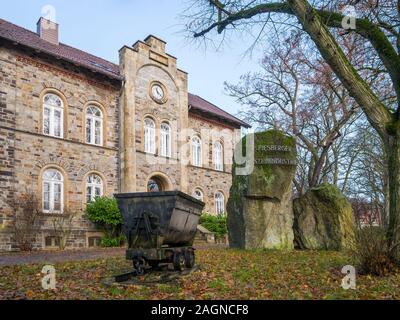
(27, 152)
(26, 76)
(207, 179)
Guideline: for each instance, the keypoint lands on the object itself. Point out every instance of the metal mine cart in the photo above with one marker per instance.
(160, 228)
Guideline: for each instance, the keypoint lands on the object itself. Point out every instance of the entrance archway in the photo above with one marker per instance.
(158, 182)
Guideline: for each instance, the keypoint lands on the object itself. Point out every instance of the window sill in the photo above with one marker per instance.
(54, 137)
(54, 215)
(66, 140)
(209, 169)
(94, 145)
(155, 155)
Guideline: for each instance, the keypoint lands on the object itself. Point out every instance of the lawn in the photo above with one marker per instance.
(223, 274)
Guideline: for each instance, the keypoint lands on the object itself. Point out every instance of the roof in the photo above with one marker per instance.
(32, 40)
(203, 106)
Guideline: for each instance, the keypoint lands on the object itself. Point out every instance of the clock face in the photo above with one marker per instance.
(157, 92)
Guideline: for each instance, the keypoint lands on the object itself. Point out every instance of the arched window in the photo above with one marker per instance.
(198, 194)
(94, 126)
(53, 115)
(149, 136)
(218, 156)
(220, 203)
(196, 151)
(94, 187)
(53, 191)
(165, 140)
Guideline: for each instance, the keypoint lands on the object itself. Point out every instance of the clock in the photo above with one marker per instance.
(158, 92)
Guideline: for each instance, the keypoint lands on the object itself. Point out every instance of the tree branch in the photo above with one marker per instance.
(376, 112)
(364, 27)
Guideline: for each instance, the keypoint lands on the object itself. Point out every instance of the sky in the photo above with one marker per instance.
(102, 27)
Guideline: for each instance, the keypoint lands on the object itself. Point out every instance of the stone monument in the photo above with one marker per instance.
(260, 208)
(323, 220)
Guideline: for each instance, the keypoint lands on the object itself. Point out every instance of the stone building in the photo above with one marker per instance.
(74, 126)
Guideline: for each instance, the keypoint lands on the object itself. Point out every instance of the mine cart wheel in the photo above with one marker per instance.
(190, 259)
(138, 266)
(179, 261)
(153, 264)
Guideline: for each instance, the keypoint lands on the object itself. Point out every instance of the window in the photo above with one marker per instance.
(94, 126)
(198, 194)
(220, 203)
(196, 151)
(53, 188)
(94, 187)
(53, 110)
(218, 156)
(52, 242)
(149, 136)
(94, 242)
(165, 140)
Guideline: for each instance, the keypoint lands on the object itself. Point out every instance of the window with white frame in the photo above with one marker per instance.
(53, 115)
(196, 151)
(219, 203)
(94, 187)
(149, 136)
(218, 156)
(94, 126)
(198, 194)
(53, 191)
(165, 140)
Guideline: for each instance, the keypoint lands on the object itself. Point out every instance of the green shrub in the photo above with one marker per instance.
(216, 224)
(104, 212)
(372, 251)
(116, 242)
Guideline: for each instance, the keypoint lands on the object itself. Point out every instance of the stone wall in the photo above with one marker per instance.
(25, 77)
(7, 143)
(142, 64)
(209, 182)
(170, 112)
(25, 152)
(207, 179)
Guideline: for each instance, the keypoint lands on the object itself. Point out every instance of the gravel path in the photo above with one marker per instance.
(15, 259)
(43, 257)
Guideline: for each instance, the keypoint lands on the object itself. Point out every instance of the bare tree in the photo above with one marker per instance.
(62, 227)
(378, 28)
(301, 96)
(27, 213)
(367, 184)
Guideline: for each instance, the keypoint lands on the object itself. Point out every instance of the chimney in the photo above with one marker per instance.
(48, 30)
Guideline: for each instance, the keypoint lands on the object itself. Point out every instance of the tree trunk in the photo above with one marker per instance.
(376, 112)
(315, 23)
(317, 170)
(386, 206)
(392, 146)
